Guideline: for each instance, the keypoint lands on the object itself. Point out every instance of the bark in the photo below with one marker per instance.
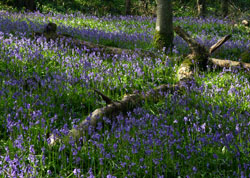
(199, 59)
(164, 25)
(50, 33)
(201, 7)
(228, 63)
(219, 43)
(109, 49)
(128, 7)
(30, 5)
(224, 7)
(127, 103)
(196, 60)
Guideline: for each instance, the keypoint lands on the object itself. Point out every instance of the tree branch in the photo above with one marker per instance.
(193, 45)
(127, 103)
(219, 43)
(228, 63)
(104, 97)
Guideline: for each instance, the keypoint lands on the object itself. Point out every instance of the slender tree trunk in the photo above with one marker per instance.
(224, 7)
(164, 25)
(128, 7)
(201, 6)
(19, 4)
(30, 5)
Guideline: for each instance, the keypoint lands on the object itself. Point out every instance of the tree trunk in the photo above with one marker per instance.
(128, 7)
(164, 25)
(224, 7)
(201, 5)
(30, 5)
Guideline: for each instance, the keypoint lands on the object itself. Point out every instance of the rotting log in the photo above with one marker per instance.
(111, 50)
(104, 97)
(127, 103)
(50, 33)
(228, 63)
(200, 57)
(199, 51)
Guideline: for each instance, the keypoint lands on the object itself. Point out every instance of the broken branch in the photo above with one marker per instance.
(104, 97)
(219, 43)
(228, 63)
(127, 103)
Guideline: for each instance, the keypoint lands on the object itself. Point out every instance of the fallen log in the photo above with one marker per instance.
(228, 63)
(200, 59)
(50, 33)
(111, 50)
(127, 103)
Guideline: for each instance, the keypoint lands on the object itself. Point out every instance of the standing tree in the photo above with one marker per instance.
(224, 6)
(201, 6)
(128, 7)
(30, 5)
(164, 25)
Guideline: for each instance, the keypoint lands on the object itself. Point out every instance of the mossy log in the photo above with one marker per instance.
(50, 33)
(110, 50)
(199, 58)
(127, 103)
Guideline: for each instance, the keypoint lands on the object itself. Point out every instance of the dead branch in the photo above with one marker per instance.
(104, 97)
(228, 63)
(219, 43)
(127, 103)
(194, 46)
(109, 49)
(201, 57)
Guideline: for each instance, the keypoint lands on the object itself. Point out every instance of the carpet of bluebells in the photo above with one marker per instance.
(47, 87)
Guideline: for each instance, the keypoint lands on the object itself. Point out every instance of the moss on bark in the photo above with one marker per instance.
(162, 40)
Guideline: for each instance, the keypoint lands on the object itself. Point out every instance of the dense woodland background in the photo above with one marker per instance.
(125, 7)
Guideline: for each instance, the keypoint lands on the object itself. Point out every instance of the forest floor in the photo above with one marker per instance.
(46, 87)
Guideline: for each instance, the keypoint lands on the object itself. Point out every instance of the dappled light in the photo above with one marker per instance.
(89, 95)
